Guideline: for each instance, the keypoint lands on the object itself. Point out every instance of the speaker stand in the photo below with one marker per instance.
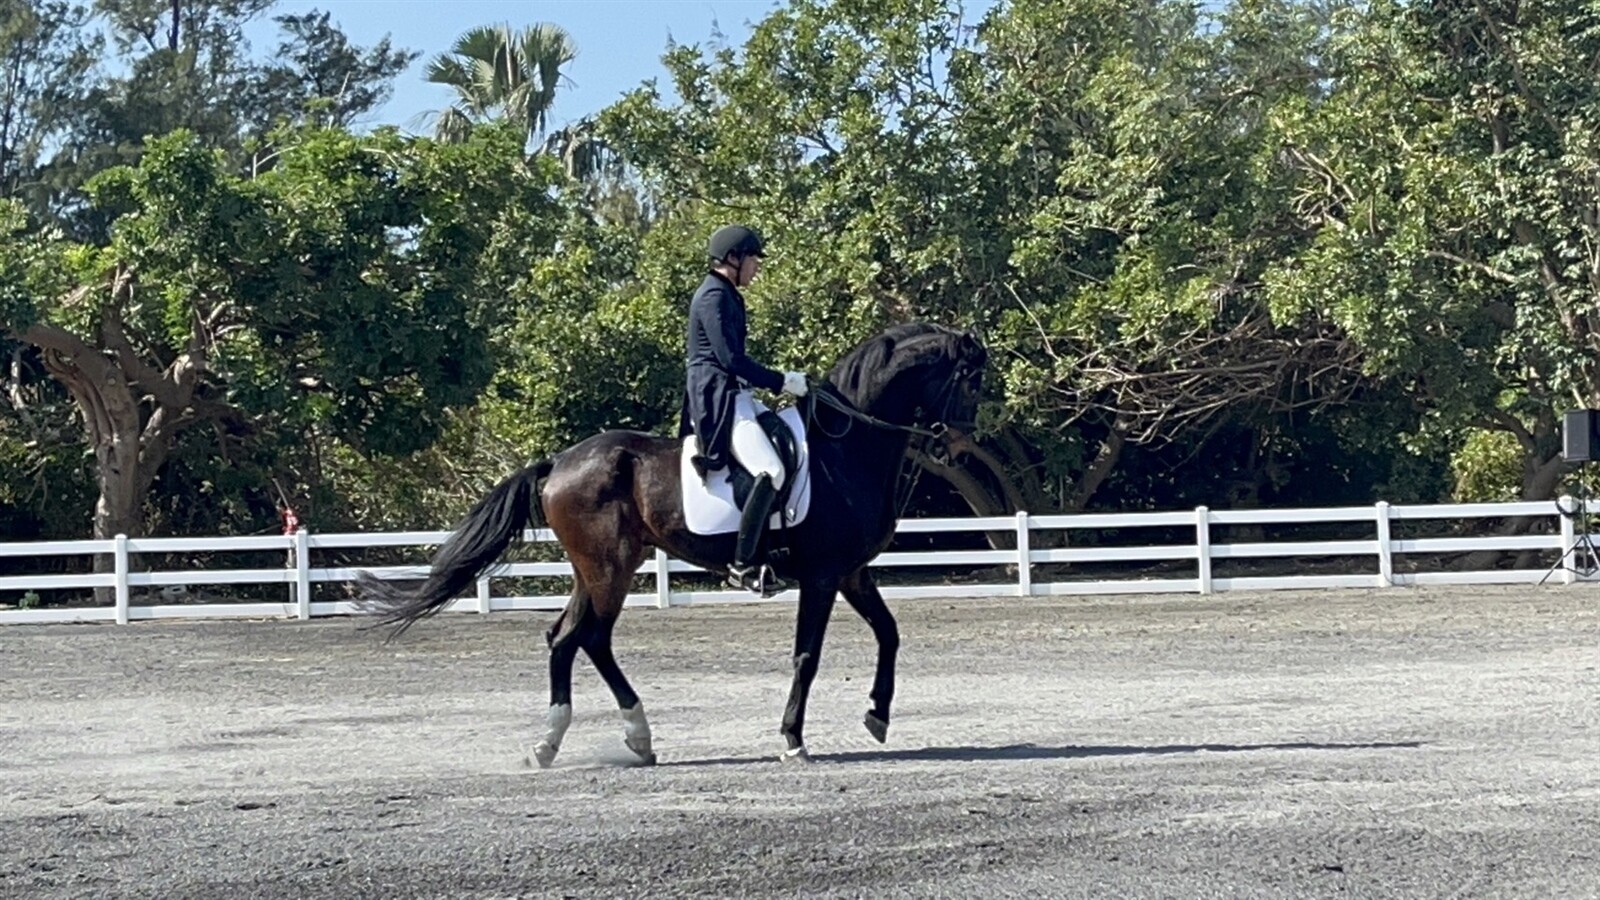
(1585, 555)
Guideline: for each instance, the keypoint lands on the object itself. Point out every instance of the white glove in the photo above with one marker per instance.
(794, 383)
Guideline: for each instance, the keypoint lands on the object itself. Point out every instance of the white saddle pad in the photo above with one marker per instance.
(708, 506)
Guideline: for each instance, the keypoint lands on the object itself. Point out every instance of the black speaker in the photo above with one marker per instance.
(1580, 435)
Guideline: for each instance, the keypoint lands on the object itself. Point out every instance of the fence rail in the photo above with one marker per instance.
(1031, 564)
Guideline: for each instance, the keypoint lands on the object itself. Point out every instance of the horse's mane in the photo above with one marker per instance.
(867, 367)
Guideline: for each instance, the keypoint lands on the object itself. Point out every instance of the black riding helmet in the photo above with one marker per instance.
(739, 239)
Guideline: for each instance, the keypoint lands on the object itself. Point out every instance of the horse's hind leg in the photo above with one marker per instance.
(599, 526)
(563, 638)
(636, 729)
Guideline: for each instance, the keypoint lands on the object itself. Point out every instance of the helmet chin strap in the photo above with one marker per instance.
(730, 270)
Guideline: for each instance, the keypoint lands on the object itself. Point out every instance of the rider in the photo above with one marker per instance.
(718, 407)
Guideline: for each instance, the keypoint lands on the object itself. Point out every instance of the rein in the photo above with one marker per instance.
(825, 393)
(829, 395)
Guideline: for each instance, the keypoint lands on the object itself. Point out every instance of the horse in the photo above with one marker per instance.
(614, 496)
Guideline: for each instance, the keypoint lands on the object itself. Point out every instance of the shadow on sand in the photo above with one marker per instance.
(1023, 752)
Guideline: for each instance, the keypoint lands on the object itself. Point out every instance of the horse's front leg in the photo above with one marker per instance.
(811, 624)
(861, 592)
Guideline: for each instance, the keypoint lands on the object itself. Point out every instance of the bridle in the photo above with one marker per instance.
(825, 393)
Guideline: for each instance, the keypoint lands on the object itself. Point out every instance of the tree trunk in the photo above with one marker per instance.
(1016, 453)
(978, 497)
(129, 448)
(1541, 482)
(119, 509)
(1100, 468)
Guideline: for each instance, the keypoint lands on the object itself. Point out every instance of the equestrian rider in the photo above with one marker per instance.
(718, 405)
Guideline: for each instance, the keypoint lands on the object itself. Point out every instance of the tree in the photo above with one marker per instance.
(1011, 177)
(500, 74)
(588, 346)
(188, 66)
(1453, 179)
(316, 76)
(47, 54)
(349, 290)
(831, 132)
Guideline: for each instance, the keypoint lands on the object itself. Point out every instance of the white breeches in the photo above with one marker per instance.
(751, 446)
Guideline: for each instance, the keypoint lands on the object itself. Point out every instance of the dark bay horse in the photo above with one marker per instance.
(614, 496)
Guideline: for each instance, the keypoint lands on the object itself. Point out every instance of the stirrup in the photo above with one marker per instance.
(760, 579)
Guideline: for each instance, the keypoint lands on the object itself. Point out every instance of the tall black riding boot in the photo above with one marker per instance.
(745, 573)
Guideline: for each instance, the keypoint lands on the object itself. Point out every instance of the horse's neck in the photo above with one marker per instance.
(880, 402)
(880, 451)
(876, 454)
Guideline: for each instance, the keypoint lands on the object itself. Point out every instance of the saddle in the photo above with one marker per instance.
(713, 499)
(782, 440)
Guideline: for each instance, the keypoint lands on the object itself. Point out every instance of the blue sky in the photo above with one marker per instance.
(620, 42)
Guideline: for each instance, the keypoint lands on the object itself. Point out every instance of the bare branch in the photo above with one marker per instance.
(1043, 334)
(1159, 386)
(1481, 268)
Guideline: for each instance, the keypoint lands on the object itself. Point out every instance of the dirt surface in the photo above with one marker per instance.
(1410, 742)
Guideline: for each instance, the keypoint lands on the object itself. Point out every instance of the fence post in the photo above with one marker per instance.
(120, 564)
(1569, 538)
(1024, 558)
(302, 573)
(1385, 550)
(663, 581)
(483, 595)
(1202, 533)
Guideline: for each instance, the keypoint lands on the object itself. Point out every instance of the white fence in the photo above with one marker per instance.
(1376, 556)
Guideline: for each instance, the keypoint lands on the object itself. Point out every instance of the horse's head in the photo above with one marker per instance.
(920, 375)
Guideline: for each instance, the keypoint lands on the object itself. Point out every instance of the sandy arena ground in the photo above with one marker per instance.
(1403, 743)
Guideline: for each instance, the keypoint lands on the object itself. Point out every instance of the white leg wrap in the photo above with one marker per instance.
(560, 718)
(636, 730)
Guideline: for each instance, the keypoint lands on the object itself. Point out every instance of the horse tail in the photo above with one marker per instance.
(490, 527)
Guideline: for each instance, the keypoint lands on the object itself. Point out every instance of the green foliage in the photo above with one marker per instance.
(47, 486)
(350, 291)
(48, 53)
(350, 288)
(1272, 252)
(32, 264)
(1488, 468)
(185, 65)
(316, 76)
(501, 75)
(904, 166)
(1451, 179)
(593, 351)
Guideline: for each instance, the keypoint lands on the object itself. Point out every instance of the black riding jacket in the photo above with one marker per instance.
(718, 368)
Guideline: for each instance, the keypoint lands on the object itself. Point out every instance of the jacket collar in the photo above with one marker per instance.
(724, 281)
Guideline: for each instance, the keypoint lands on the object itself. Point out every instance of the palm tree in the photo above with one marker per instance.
(583, 152)
(500, 74)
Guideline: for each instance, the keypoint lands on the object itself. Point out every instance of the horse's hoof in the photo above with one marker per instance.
(878, 728)
(795, 755)
(545, 754)
(641, 749)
